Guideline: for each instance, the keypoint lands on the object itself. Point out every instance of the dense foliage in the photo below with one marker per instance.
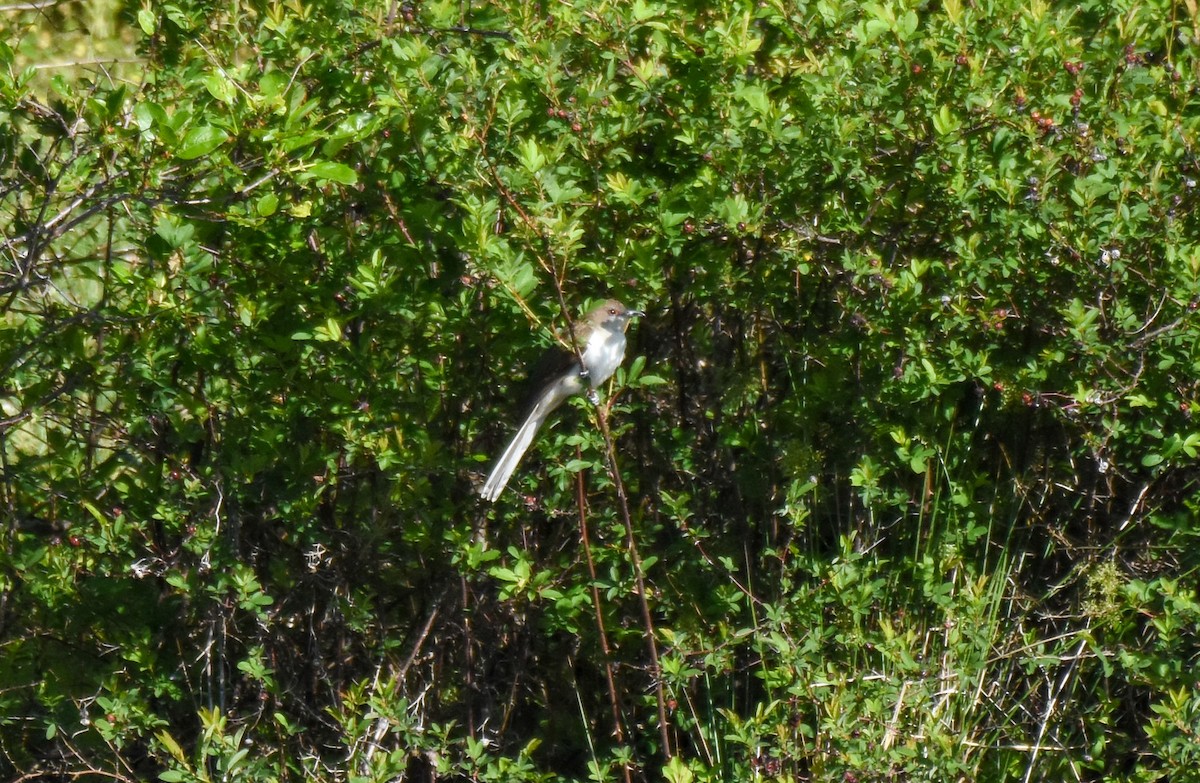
(898, 483)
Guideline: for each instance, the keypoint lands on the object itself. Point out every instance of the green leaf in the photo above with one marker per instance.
(272, 84)
(147, 114)
(172, 746)
(200, 141)
(945, 122)
(677, 771)
(531, 156)
(328, 332)
(334, 172)
(147, 21)
(266, 204)
(219, 86)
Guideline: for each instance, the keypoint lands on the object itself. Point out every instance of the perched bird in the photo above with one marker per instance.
(600, 337)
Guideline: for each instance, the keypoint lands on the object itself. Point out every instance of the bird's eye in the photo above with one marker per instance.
(612, 311)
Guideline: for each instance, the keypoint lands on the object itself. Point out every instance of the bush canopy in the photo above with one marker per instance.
(898, 481)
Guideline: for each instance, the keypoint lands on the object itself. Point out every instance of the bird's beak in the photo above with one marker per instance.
(635, 313)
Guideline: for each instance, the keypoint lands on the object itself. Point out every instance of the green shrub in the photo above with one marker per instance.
(905, 449)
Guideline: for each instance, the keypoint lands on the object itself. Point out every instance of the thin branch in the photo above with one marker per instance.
(476, 31)
(32, 6)
(639, 580)
(605, 651)
(79, 63)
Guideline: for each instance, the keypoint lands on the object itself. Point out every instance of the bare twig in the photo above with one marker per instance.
(1051, 704)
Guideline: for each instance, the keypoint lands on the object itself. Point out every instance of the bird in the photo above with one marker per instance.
(599, 340)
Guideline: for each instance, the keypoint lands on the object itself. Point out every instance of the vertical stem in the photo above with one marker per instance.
(610, 679)
(640, 582)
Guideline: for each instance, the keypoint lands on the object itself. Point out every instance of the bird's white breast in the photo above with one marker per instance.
(603, 354)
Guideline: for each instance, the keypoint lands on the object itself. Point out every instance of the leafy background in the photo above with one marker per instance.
(900, 482)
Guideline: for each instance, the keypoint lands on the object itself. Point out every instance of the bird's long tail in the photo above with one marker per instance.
(511, 457)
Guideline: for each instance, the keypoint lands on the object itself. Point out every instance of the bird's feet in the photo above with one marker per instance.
(593, 396)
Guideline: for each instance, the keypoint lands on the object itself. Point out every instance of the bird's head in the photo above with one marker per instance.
(613, 315)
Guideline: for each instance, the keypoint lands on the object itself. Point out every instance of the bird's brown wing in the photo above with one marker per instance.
(554, 362)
